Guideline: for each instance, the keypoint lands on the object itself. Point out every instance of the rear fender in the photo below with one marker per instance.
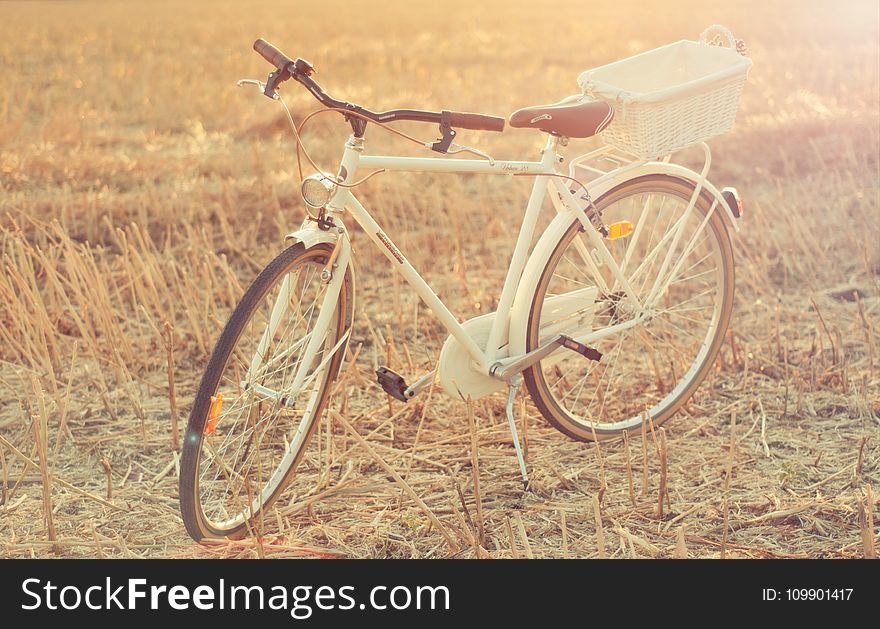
(605, 183)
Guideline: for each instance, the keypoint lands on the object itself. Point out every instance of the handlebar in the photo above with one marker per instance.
(301, 71)
(477, 122)
(271, 54)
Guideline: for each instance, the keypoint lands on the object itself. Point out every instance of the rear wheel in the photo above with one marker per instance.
(260, 398)
(657, 364)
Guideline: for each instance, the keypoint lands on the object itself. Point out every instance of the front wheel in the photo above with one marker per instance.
(657, 364)
(265, 387)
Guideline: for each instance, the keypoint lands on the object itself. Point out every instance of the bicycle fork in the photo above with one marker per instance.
(332, 276)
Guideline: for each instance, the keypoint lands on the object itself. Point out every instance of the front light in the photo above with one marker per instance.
(317, 190)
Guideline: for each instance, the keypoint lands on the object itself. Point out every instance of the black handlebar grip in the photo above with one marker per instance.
(477, 122)
(271, 54)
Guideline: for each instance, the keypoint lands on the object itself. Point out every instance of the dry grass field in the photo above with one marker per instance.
(141, 191)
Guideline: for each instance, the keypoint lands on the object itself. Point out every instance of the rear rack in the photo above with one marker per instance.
(590, 168)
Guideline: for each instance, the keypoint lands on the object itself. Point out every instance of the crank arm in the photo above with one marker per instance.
(419, 385)
(509, 371)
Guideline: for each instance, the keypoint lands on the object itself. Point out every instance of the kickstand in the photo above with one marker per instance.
(511, 396)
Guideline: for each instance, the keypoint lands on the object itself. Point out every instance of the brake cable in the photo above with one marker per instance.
(301, 149)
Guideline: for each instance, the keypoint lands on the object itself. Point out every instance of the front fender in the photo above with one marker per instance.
(310, 235)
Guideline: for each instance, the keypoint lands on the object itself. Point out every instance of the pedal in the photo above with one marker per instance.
(392, 383)
(588, 352)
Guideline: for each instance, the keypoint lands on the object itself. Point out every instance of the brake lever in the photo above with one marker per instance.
(457, 148)
(259, 84)
(243, 82)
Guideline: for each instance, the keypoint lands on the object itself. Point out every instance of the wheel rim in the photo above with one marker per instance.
(262, 423)
(650, 364)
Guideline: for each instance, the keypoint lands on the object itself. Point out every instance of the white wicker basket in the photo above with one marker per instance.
(671, 97)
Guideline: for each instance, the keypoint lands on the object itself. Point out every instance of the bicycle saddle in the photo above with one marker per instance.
(571, 118)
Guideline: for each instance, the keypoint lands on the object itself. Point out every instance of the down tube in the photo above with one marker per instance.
(402, 266)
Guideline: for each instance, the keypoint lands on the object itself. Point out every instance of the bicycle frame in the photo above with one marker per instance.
(508, 330)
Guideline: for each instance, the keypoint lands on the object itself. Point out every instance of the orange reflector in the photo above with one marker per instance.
(621, 229)
(214, 414)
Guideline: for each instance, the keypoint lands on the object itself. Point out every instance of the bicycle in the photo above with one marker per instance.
(614, 316)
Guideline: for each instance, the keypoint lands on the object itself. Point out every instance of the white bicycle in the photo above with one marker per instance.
(617, 311)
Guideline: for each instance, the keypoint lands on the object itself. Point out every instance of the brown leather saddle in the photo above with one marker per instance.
(572, 119)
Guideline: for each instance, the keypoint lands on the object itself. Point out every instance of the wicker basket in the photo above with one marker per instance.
(671, 97)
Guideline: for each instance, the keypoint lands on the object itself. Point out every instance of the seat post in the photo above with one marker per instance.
(552, 143)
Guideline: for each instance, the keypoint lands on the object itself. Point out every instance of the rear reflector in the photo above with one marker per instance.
(620, 229)
(731, 197)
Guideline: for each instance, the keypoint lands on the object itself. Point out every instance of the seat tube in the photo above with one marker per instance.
(501, 323)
